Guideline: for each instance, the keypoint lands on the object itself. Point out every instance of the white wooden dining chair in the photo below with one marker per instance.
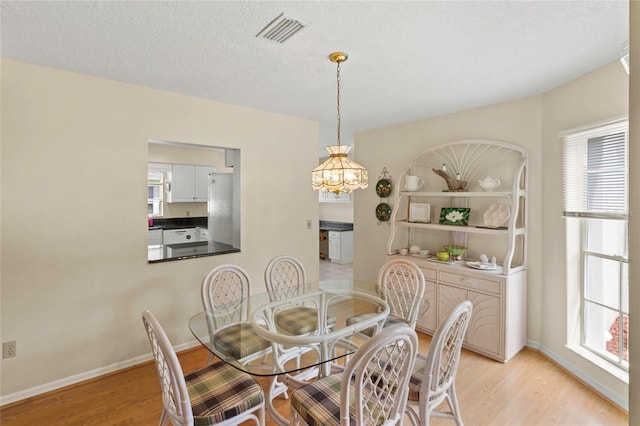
(401, 284)
(284, 278)
(217, 394)
(372, 389)
(224, 292)
(433, 377)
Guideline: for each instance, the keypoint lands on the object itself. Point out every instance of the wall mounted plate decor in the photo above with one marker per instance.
(383, 212)
(455, 216)
(383, 188)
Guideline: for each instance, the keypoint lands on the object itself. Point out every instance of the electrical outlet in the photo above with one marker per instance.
(9, 349)
(309, 224)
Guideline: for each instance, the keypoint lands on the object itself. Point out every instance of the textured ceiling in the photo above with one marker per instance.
(407, 60)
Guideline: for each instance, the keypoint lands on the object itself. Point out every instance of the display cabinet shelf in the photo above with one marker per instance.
(498, 329)
(469, 161)
(467, 229)
(461, 194)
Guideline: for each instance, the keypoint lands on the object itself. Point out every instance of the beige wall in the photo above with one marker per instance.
(597, 96)
(337, 212)
(634, 227)
(533, 123)
(75, 276)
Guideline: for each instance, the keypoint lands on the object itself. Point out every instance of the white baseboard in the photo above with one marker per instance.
(77, 378)
(589, 381)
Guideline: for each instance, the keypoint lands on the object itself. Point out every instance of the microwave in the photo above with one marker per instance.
(420, 212)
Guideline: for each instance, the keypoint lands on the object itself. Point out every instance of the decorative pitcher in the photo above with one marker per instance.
(413, 183)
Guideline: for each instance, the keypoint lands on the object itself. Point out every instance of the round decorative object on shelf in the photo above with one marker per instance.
(383, 188)
(383, 212)
(496, 215)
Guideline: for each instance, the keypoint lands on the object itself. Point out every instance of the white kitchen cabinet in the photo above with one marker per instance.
(203, 234)
(341, 246)
(188, 183)
(330, 197)
(155, 237)
(190, 249)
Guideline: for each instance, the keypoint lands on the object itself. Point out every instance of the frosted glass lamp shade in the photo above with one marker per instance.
(339, 173)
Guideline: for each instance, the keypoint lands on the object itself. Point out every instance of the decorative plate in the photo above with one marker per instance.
(383, 212)
(496, 215)
(483, 266)
(383, 188)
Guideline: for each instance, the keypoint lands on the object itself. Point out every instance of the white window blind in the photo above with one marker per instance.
(595, 175)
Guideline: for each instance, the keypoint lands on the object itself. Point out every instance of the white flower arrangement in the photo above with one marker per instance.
(454, 216)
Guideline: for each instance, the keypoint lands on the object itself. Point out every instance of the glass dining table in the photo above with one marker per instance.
(293, 336)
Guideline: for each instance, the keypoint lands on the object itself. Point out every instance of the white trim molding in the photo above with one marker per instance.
(87, 375)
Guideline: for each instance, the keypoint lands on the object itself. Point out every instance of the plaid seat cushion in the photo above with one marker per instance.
(300, 320)
(391, 320)
(239, 340)
(417, 375)
(318, 403)
(219, 392)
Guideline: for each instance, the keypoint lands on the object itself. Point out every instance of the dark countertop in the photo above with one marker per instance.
(326, 225)
(197, 249)
(180, 223)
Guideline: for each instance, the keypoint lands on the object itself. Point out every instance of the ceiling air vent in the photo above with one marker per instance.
(280, 29)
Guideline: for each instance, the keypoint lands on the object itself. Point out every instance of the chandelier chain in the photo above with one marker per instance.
(338, 100)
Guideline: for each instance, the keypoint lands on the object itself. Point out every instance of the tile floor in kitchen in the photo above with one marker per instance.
(335, 271)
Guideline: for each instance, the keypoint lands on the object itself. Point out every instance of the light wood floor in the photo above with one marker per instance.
(528, 390)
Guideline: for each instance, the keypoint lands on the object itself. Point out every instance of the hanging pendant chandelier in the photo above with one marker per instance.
(339, 173)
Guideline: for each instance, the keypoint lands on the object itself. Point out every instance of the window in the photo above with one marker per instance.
(596, 209)
(155, 181)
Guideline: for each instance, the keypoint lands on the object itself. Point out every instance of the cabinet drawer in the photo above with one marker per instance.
(472, 283)
(429, 274)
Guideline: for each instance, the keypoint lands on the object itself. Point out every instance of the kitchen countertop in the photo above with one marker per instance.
(326, 225)
(202, 248)
(180, 223)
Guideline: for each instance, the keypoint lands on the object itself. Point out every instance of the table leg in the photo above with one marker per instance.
(275, 389)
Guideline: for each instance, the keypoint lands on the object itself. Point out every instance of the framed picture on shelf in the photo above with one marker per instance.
(455, 216)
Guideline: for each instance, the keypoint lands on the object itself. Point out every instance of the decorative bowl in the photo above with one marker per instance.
(455, 250)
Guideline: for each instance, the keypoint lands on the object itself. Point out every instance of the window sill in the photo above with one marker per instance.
(617, 372)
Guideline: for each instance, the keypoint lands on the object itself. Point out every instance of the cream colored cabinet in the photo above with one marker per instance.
(429, 321)
(483, 333)
(498, 325)
(495, 224)
(188, 183)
